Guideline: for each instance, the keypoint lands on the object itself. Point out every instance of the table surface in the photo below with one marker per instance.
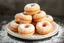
(7, 38)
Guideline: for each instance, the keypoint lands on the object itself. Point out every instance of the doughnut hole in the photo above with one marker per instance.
(38, 12)
(32, 5)
(27, 26)
(47, 16)
(17, 22)
(44, 25)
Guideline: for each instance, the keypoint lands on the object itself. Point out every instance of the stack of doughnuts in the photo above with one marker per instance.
(31, 20)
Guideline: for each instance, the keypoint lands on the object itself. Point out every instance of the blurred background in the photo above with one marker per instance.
(52, 7)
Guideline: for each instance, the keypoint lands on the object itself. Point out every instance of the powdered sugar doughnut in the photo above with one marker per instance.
(14, 26)
(49, 18)
(26, 29)
(39, 16)
(31, 8)
(22, 18)
(43, 27)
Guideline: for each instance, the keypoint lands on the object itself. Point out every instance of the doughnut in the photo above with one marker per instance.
(31, 8)
(26, 29)
(13, 26)
(49, 18)
(39, 16)
(43, 27)
(22, 18)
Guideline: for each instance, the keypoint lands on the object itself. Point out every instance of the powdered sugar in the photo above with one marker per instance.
(30, 7)
(28, 29)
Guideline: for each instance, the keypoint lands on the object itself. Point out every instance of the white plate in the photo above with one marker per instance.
(35, 36)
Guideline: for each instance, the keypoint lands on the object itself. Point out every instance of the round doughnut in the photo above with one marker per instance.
(39, 16)
(22, 18)
(31, 8)
(13, 26)
(26, 29)
(49, 18)
(43, 27)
